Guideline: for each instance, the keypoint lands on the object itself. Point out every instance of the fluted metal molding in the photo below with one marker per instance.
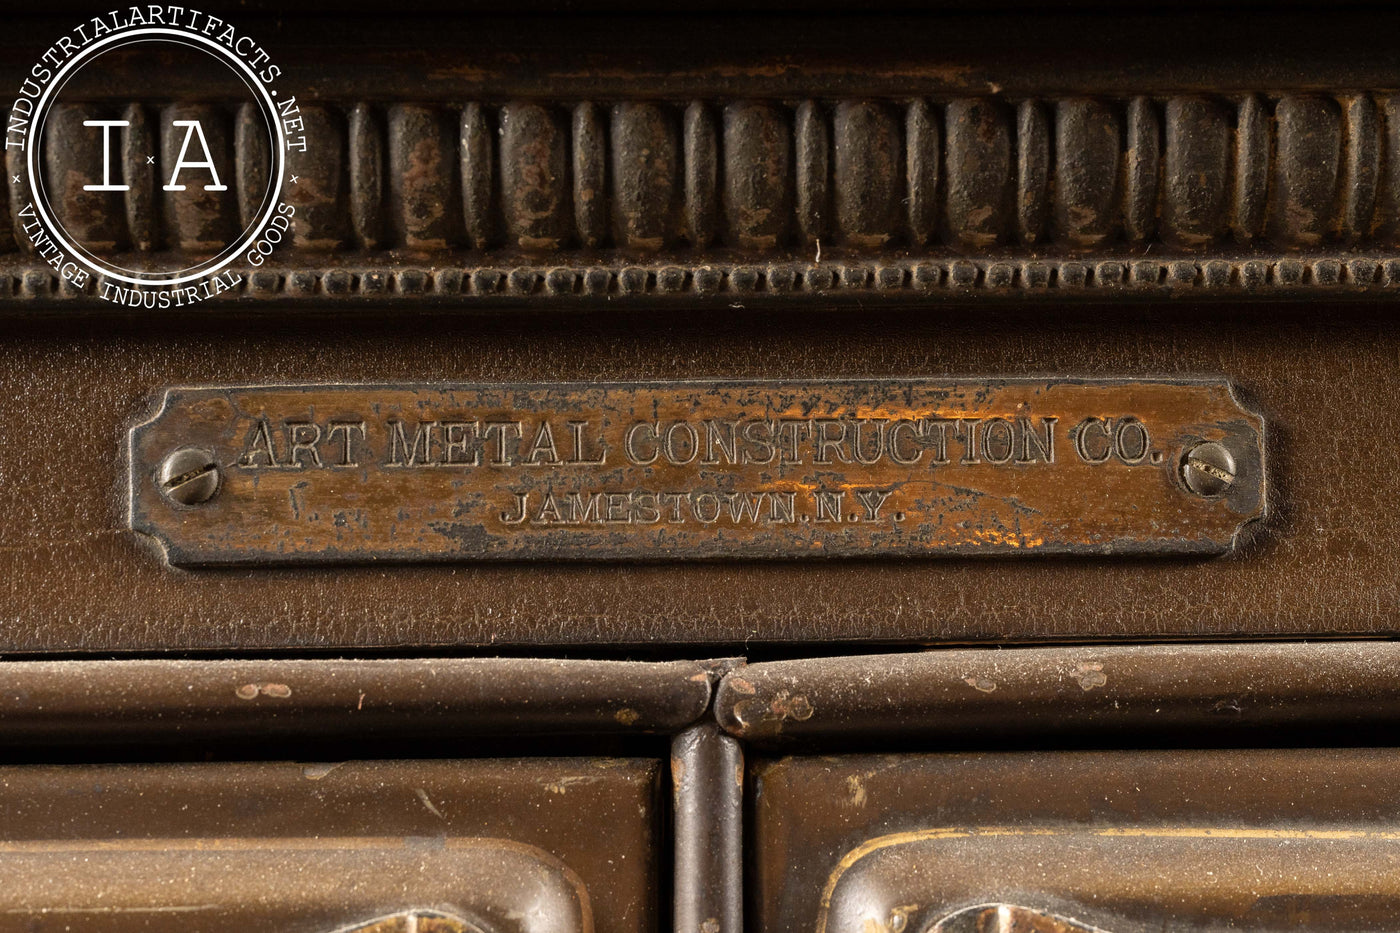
(697, 197)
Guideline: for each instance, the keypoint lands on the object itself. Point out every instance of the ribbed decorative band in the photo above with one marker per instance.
(868, 177)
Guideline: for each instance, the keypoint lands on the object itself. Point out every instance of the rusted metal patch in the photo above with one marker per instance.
(686, 470)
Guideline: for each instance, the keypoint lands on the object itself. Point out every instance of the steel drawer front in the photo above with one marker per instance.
(558, 845)
(1252, 839)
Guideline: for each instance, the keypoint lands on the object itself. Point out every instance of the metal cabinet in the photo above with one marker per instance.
(582, 466)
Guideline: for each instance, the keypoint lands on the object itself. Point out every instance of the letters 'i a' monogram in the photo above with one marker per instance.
(192, 129)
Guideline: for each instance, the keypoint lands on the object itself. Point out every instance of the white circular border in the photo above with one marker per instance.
(91, 256)
(278, 158)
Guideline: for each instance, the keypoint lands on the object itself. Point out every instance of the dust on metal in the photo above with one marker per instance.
(696, 470)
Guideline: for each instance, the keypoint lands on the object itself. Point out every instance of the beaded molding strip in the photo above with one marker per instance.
(1288, 276)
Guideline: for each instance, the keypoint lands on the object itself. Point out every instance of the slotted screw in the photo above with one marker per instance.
(1208, 469)
(188, 476)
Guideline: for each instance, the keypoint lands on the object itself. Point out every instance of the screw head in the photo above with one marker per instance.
(1208, 469)
(188, 476)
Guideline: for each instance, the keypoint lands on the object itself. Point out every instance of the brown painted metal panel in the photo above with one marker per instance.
(509, 846)
(1254, 840)
(1321, 377)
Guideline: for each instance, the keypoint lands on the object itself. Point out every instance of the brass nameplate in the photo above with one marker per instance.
(684, 470)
